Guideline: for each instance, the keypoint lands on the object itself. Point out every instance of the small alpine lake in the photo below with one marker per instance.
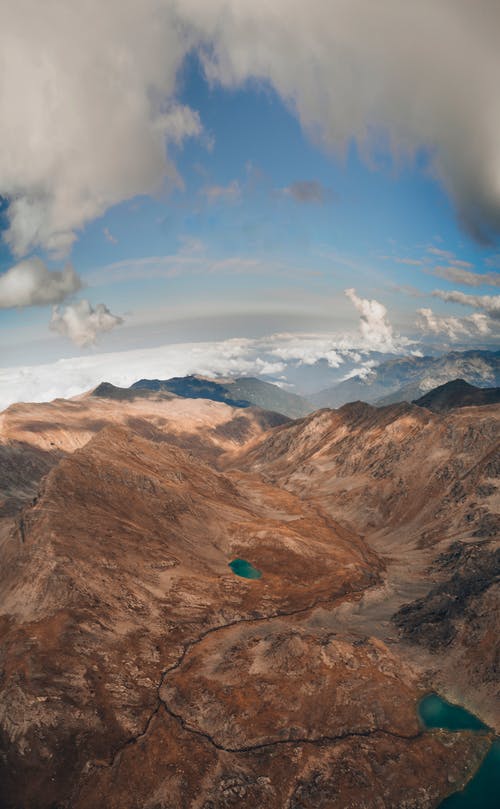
(244, 569)
(482, 791)
(436, 712)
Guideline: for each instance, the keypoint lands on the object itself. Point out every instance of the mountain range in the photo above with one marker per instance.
(391, 381)
(404, 379)
(137, 670)
(238, 392)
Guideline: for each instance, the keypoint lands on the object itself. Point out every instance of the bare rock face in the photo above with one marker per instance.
(136, 670)
(472, 569)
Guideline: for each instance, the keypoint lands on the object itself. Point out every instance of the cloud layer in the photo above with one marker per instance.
(459, 275)
(31, 283)
(88, 91)
(490, 304)
(270, 355)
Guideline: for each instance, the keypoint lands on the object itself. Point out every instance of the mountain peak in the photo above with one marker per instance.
(457, 393)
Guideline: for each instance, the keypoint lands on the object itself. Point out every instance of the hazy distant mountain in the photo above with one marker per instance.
(240, 392)
(457, 393)
(407, 378)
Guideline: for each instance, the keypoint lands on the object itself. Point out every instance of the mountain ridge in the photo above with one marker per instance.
(408, 378)
(237, 392)
(458, 393)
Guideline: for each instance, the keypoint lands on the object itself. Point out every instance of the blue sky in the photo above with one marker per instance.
(260, 227)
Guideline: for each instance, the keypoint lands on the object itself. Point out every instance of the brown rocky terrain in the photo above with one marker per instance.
(413, 484)
(33, 437)
(137, 670)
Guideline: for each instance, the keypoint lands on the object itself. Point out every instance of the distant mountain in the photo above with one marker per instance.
(108, 391)
(407, 378)
(239, 392)
(457, 393)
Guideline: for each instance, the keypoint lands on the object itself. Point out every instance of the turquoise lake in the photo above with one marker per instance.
(244, 569)
(483, 790)
(435, 712)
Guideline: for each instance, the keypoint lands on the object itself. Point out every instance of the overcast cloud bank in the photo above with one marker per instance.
(89, 91)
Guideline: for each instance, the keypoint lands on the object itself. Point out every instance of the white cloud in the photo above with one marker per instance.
(426, 73)
(490, 304)
(69, 377)
(82, 322)
(31, 283)
(88, 94)
(454, 328)
(447, 255)
(87, 100)
(375, 328)
(363, 371)
(270, 355)
(307, 349)
(458, 275)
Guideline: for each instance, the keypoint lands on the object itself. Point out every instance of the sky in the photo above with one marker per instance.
(226, 186)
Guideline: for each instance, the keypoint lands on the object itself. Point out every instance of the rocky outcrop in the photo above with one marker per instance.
(470, 570)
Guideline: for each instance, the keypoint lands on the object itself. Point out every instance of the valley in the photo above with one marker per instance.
(139, 671)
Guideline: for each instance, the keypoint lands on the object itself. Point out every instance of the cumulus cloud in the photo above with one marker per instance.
(375, 328)
(490, 304)
(458, 275)
(307, 191)
(454, 328)
(89, 94)
(82, 322)
(31, 283)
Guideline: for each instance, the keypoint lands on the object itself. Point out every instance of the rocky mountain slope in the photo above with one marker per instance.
(237, 392)
(458, 393)
(138, 671)
(411, 482)
(33, 437)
